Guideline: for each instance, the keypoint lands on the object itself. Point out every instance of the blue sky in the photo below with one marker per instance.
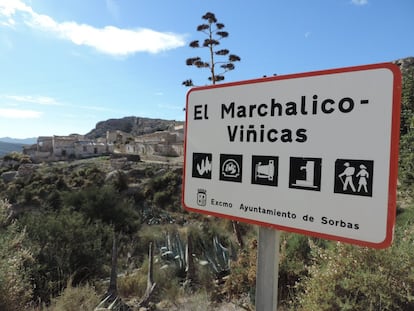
(66, 65)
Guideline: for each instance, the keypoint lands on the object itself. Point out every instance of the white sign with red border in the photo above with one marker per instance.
(313, 153)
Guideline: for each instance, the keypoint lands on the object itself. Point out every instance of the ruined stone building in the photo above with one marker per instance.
(55, 148)
(148, 146)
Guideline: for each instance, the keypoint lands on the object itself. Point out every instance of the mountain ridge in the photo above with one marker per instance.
(6, 148)
(24, 141)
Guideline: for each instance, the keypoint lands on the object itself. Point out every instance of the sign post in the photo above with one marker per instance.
(313, 153)
(267, 273)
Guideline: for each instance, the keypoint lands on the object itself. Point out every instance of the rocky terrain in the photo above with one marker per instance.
(132, 125)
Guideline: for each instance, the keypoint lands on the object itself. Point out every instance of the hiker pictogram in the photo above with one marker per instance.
(363, 177)
(305, 173)
(354, 177)
(346, 177)
(202, 165)
(264, 170)
(231, 167)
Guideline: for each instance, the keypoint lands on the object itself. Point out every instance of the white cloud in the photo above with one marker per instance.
(19, 114)
(40, 100)
(109, 40)
(359, 2)
(9, 7)
(116, 41)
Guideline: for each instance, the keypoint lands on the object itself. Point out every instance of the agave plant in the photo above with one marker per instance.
(176, 251)
(218, 257)
(110, 304)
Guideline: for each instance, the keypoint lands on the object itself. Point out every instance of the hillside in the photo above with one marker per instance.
(8, 144)
(132, 125)
(6, 148)
(67, 226)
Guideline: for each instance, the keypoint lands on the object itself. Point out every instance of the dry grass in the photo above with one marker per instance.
(81, 298)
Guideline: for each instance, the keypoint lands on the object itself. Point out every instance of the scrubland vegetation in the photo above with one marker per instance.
(58, 222)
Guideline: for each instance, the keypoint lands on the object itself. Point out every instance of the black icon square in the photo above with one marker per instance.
(231, 168)
(265, 170)
(202, 165)
(354, 177)
(305, 173)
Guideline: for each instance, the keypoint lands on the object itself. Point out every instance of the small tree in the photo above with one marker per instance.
(214, 32)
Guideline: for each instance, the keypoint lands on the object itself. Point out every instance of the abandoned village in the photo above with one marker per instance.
(157, 146)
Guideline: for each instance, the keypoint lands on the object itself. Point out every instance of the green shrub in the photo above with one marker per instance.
(80, 298)
(15, 262)
(17, 157)
(168, 285)
(68, 246)
(105, 204)
(242, 280)
(164, 190)
(406, 159)
(133, 284)
(346, 277)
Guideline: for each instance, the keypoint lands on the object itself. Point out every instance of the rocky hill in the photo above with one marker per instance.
(132, 125)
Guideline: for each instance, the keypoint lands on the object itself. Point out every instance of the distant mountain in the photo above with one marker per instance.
(24, 141)
(133, 125)
(6, 148)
